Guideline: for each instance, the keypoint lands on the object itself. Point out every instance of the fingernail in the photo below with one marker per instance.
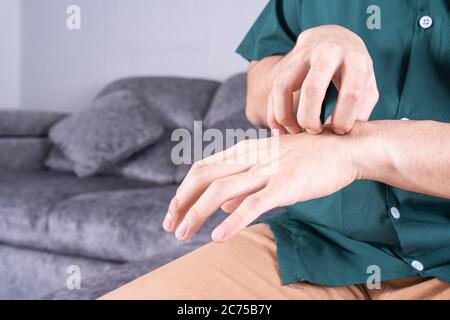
(219, 233)
(181, 230)
(168, 221)
(339, 131)
(328, 121)
(312, 131)
(292, 130)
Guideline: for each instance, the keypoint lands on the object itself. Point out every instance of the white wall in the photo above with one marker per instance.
(9, 54)
(63, 69)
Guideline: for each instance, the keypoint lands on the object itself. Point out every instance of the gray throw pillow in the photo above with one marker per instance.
(114, 127)
(229, 99)
(180, 101)
(58, 162)
(152, 164)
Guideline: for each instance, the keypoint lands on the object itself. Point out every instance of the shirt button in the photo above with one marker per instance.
(425, 22)
(404, 119)
(417, 265)
(395, 213)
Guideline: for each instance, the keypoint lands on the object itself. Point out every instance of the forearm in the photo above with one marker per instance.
(410, 155)
(260, 78)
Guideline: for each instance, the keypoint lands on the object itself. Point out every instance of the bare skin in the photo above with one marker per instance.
(286, 93)
(310, 167)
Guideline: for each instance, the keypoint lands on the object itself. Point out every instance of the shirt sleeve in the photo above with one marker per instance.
(274, 31)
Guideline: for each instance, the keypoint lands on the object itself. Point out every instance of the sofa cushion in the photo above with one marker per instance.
(96, 286)
(33, 274)
(109, 218)
(180, 101)
(58, 162)
(227, 110)
(229, 99)
(114, 127)
(27, 123)
(123, 225)
(151, 164)
(27, 198)
(23, 153)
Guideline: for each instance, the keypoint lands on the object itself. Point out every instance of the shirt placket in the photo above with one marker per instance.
(422, 25)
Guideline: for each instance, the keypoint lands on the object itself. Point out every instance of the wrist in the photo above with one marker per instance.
(372, 154)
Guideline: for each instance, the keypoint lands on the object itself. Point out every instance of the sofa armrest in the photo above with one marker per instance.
(23, 154)
(24, 123)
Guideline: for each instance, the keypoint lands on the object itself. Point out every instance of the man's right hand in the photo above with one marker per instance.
(322, 55)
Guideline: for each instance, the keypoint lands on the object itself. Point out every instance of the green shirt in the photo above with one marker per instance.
(335, 239)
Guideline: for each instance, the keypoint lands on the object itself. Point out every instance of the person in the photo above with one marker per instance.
(365, 199)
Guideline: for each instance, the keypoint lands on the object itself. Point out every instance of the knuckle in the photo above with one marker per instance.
(308, 123)
(280, 85)
(288, 67)
(351, 95)
(303, 35)
(196, 176)
(216, 187)
(375, 95)
(310, 89)
(252, 201)
(194, 215)
(327, 47)
(239, 218)
(344, 126)
(324, 62)
(174, 205)
(358, 61)
(198, 165)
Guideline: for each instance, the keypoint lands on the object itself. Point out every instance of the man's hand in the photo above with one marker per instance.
(322, 55)
(302, 167)
(410, 155)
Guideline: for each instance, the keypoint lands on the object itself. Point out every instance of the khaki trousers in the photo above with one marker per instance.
(246, 267)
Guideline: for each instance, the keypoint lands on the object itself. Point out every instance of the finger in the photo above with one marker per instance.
(354, 78)
(214, 196)
(251, 208)
(285, 84)
(276, 128)
(198, 179)
(370, 99)
(231, 205)
(313, 92)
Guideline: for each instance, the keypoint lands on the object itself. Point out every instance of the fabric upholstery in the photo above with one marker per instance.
(58, 162)
(27, 123)
(23, 153)
(49, 217)
(229, 99)
(103, 217)
(117, 225)
(32, 274)
(27, 199)
(103, 282)
(179, 101)
(114, 127)
(151, 164)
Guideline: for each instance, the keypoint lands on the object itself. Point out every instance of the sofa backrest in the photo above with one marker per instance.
(177, 102)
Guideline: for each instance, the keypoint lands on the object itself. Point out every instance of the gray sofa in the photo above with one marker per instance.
(108, 225)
